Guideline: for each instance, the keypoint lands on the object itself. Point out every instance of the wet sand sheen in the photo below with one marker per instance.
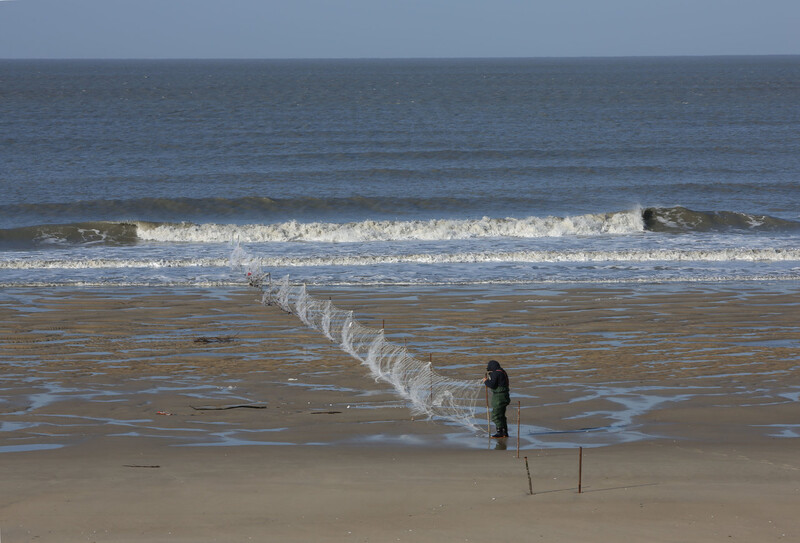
(614, 358)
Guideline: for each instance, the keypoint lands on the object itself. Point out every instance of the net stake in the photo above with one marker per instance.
(431, 393)
(530, 484)
(488, 421)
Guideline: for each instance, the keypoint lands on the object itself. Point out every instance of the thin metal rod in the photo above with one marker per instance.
(580, 468)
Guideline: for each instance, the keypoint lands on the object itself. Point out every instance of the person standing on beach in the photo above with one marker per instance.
(497, 380)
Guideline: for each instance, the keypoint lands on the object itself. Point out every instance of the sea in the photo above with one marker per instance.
(400, 172)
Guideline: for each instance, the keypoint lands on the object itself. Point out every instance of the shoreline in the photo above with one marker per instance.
(756, 282)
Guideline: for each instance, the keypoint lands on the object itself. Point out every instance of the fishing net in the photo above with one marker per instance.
(426, 391)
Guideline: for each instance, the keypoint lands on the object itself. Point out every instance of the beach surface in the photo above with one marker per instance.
(184, 414)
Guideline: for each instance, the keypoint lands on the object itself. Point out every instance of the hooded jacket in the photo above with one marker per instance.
(497, 376)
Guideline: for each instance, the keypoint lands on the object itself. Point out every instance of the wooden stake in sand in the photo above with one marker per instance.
(488, 420)
(519, 412)
(430, 368)
(530, 484)
(431, 398)
(580, 468)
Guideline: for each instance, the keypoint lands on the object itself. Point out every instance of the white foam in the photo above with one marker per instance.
(631, 255)
(111, 263)
(655, 255)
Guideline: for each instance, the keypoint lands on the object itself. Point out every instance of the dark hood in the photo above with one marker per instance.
(493, 365)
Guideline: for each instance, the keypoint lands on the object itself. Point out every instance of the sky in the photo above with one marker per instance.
(395, 29)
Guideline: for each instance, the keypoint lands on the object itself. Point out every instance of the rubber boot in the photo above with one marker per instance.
(501, 433)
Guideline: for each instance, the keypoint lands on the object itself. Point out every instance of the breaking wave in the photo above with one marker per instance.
(126, 233)
(367, 231)
(658, 220)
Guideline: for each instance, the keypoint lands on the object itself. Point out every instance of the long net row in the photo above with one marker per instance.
(426, 391)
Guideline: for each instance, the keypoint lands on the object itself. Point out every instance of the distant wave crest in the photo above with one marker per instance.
(221, 209)
(83, 233)
(681, 219)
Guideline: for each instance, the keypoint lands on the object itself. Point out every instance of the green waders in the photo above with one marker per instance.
(500, 400)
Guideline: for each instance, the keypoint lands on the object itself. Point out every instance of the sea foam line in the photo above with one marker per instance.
(627, 255)
(205, 283)
(111, 263)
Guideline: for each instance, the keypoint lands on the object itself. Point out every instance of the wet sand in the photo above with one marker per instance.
(684, 397)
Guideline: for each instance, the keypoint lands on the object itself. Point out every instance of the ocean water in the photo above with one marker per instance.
(430, 172)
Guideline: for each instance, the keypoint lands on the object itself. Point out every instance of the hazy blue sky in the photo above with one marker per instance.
(399, 28)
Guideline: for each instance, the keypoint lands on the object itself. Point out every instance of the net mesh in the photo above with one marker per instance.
(426, 391)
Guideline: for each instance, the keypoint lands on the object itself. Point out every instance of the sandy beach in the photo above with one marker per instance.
(201, 415)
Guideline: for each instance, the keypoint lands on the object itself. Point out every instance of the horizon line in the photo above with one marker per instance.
(560, 57)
